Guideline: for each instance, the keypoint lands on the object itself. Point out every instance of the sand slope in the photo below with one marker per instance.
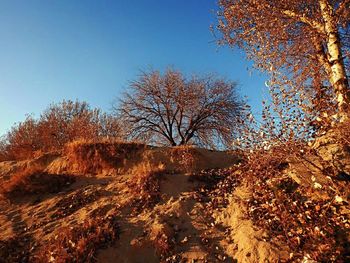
(185, 222)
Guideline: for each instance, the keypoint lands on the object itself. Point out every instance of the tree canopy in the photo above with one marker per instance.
(178, 110)
(307, 41)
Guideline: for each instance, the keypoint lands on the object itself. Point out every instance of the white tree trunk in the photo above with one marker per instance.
(338, 78)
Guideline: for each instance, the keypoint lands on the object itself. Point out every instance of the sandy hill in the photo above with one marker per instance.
(127, 202)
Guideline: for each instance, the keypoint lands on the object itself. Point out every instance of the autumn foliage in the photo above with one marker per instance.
(58, 124)
(294, 161)
(300, 43)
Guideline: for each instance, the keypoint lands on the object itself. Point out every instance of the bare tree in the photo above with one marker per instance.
(306, 40)
(172, 108)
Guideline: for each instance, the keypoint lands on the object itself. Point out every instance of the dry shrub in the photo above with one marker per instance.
(80, 243)
(302, 214)
(96, 157)
(3, 157)
(32, 180)
(266, 164)
(315, 229)
(3, 151)
(145, 185)
(59, 124)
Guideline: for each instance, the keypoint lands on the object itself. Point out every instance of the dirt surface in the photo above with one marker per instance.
(157, 211)
(178, 226)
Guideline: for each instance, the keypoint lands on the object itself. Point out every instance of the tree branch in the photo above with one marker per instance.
(302, 18)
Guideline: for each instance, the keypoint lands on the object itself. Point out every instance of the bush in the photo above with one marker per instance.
(58, 124)
(3, 153)
(23, 140)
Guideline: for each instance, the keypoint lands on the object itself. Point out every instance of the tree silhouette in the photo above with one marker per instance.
(177, 110)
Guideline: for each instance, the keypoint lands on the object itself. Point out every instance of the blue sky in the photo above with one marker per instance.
(90, 50)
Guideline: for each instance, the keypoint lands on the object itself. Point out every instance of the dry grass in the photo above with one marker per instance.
(32, 180)
(79, 243)
(97, 157)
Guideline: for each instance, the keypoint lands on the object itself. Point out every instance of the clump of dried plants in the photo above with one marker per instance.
(80, 243)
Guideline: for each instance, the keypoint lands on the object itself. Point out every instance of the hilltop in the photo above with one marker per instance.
(129, 202)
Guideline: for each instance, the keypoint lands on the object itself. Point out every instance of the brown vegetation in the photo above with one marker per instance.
(80, 243)
(163, 245)
(15, 249)
(58, 124)
(304, 211)
(97, 157)
(162, 211)
(344, 132)
(294, 169)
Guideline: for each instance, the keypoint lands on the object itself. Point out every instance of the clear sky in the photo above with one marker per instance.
(90, 49)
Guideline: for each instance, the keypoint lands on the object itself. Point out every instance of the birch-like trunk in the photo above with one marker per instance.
(338, 78)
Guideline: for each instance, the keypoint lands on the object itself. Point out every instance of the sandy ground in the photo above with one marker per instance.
(185, 216)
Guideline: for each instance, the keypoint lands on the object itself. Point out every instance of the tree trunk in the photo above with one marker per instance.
(172, 141)
(338, 78)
